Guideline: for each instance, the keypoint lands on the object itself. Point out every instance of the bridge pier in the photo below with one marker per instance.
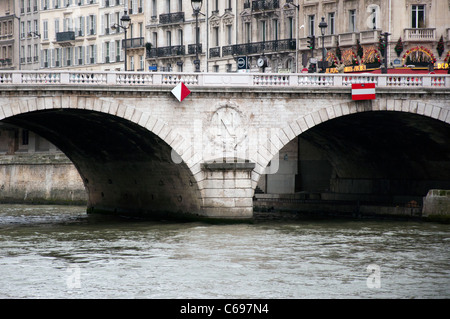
(227, 191)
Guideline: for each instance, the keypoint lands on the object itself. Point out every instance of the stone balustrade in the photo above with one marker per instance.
(220, 79)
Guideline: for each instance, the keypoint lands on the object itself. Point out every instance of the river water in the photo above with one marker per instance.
(61, 252)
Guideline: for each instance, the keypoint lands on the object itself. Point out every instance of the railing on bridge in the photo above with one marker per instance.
(217, 79)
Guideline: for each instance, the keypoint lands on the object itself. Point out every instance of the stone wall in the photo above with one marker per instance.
(437, 202)
(40, 178)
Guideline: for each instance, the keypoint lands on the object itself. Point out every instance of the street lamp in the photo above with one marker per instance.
(323, 26)
(33, 33)
(196, 6)
(286, 6)
(124, 24)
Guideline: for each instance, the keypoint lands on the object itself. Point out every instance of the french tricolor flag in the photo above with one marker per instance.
(363, 91)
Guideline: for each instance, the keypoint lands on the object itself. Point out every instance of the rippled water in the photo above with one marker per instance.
(60, 252)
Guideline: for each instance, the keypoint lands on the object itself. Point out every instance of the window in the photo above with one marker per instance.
(107, 48)
(117, 14)
(45, 24)
(45, 60)
(331, 23)
(290, 27)
(168, 38)
(22, 52)
(118, 50)
(92, 54)
(91, 24)
(229, 34)
(141, 63)
(248, 34)
(132, 63)
(180, 36)
(29, 55)
(275, 29)
(58, 57)
(167, 6)
(22, 30)
(311, 23)
(418, 16)
(154, 12)
(141, 29)
(216, 36)
(352, 20)
(263, 30)
(372, 21)
(155, 39)
(56, 26)
(36, 53)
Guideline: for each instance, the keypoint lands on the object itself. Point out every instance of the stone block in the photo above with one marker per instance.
(437, 202)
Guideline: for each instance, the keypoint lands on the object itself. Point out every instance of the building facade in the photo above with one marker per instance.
(232, 35)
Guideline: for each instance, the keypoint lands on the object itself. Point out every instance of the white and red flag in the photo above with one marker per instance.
(363, 91)
(180, 91)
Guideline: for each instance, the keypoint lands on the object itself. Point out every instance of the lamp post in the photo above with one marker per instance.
(323, 26)
(124, 24)
(196, 6)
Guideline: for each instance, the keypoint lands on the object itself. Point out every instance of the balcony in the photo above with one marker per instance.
(259, 5)
(347, 38)
(134, 43)
(419, 35)
(169, 18)
(259, 47)
(214, 52)
(369, 37)
(65, 38)
(191, 48)
(166, 51)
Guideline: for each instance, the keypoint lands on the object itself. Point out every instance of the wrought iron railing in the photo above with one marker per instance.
(191, 48)
(259, 47)
(168, 18)
(265, 5)
(134, 43)
(214, 52)
(169, 51)
(65, 36)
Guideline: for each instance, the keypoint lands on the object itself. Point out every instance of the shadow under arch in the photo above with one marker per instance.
(126, 168)
(384, 154)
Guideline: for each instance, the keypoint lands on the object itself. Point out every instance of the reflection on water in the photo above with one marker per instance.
(60, 252)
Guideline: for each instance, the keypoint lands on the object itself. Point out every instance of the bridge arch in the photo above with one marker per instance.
(419, 151)
(124, 155)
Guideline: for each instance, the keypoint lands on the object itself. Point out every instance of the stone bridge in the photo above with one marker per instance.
(140, 151)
